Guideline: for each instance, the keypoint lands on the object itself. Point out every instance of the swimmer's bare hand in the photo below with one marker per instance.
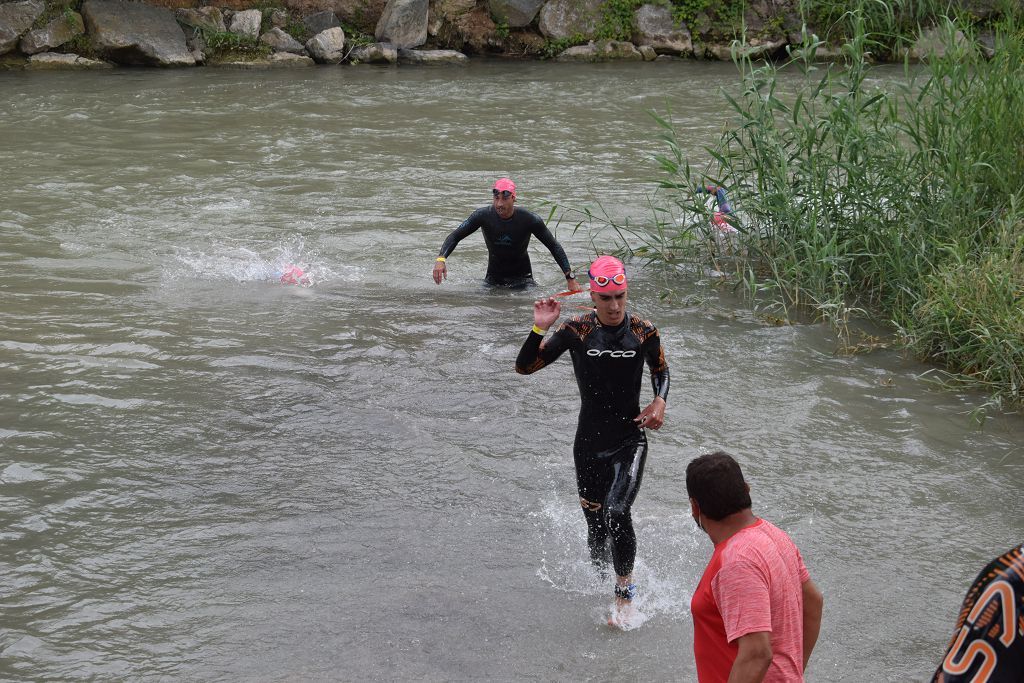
(440, 271)
(653, 416)
(546, 312)
(573, 285)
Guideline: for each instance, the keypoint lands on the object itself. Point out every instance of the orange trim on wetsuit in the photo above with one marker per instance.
(988, 645)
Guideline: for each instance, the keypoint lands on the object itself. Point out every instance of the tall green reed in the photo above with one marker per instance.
(890, 203)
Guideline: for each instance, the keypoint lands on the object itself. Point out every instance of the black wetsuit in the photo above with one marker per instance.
(988, 646)
(508, 263)
(610, 449)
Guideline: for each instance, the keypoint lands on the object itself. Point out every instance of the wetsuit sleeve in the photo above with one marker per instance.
(654, 355)
(532, 357)
(541, 232)
(468, 227)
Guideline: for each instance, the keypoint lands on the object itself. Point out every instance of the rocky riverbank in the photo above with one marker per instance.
(63, 34)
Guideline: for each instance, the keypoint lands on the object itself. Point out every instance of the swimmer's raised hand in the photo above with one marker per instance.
(546, 312)
(440, 270)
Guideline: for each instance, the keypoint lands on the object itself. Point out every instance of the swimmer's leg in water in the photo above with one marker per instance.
(614, 479)
(597, 536)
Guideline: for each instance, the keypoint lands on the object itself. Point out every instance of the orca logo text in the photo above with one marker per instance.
(613, 354)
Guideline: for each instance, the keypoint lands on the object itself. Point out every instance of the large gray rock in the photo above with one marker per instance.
(280, 41)
(15, 19)
(56, 33)
(431, 57)
(135, 33)
(656, 27)
(933, 42)
(377, 53)
(601, 51)
(327, 47)
(404, 23)
(567, 18)
(246, 23)
(57, 61)
(321, 21)
(755, 49)
(204, 18)
(515, 13)
(274, 61)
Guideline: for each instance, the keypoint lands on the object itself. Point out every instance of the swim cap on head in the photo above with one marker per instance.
(607, 274)
(505, 184)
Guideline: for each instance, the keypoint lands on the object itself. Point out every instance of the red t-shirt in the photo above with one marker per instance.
(753, 583)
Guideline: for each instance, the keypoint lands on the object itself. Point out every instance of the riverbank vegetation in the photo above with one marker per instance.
(903, 205)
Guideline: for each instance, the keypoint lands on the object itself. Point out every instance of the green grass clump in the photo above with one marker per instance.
(224, 46)
(904, 204)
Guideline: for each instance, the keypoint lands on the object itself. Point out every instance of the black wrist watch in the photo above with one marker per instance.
(571, 275)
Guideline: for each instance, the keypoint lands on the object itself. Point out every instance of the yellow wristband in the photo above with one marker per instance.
(539, 331)
(441, 259)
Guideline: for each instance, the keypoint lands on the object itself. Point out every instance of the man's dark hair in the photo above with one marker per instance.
(715, 481)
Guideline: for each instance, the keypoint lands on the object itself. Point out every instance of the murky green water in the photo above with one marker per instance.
(206, 475)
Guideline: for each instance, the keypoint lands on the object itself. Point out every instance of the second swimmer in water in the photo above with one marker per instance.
(609, 348)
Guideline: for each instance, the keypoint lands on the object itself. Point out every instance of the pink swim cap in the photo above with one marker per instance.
(505, 184)
(607, 274)
(293, 275)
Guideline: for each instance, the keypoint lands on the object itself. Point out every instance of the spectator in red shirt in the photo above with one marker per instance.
(756, 612)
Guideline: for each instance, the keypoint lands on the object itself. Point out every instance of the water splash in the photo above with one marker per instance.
(244, 263)
(669, 561)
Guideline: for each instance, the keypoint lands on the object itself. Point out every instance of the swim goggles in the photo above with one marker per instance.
(602, 280)
(504, 194)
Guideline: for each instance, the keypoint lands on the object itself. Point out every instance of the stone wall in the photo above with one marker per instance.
(175, 33)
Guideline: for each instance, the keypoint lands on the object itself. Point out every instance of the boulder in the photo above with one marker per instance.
(285, 59)
(514, 13)
(377, 53)
(327, 47)
(274, 61)
(208, 19)
(567, 18)
(932, 42)
(755, 49)
(135, 33)
(321, 21)
(431, 57)
(403, 24)
(601, 51)
(279, 41)
(246, 23)
(279, 18)
(56, 33)
(57, 60)
(15, 19)
(648, 53)
(656, 27)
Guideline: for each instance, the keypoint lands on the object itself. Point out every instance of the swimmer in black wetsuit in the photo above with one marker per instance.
(609, 348)
(507, 231)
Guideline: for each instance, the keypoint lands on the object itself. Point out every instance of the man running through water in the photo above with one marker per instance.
(608, 347)
(507, 231)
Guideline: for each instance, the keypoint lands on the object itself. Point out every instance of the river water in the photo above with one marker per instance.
(208, 475)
